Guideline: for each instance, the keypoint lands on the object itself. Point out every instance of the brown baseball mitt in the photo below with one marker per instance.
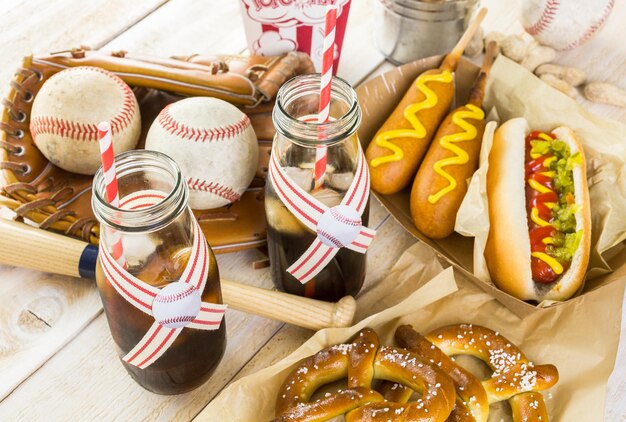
(57, 200)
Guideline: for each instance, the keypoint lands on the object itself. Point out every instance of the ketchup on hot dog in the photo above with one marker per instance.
(541, 197)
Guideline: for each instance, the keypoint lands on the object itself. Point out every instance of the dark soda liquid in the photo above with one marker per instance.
(344, 275)
(194, 355)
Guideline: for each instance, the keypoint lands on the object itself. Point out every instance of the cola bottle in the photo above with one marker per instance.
(157, 240)
(298, 137)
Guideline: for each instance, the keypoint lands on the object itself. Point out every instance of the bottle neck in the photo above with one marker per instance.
(141, 171)
(296, 110)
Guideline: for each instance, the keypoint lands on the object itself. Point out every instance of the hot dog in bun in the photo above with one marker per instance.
(540, 223)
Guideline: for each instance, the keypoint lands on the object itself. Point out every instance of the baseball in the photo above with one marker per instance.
(564, 24)
(214, 145)
(339, 226)
(176, 305)
(70, 105)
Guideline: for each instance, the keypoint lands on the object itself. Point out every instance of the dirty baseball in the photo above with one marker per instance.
(214, 145)
(70, 105)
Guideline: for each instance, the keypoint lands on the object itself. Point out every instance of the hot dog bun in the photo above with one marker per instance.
(508, 249)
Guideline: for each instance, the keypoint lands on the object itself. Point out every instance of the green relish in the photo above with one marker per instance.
(567, 239)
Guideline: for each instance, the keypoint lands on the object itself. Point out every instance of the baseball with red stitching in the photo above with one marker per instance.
(176, 305)
(564, 24)
(214, 145)
(69, 106)
(339, 226)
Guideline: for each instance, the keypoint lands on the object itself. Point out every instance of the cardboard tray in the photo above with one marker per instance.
(378, 97)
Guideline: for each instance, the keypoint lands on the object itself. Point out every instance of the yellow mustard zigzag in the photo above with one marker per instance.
(410, 113)
(447, 142)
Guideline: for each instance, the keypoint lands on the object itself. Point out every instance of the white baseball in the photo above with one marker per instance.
(176, 305)
(564, 24)
(339, 226)
(214, 145)
(69, 106)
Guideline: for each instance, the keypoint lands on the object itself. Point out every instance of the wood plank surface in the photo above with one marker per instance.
(84, 380)
(42, 26)
(359, 54)
(41, 313)
(88, 371)
(186, 27)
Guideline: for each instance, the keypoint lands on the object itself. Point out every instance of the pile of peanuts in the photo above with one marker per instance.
(538, 58)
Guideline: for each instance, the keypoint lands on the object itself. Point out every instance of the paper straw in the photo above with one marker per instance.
(110, 179)
(325, 85)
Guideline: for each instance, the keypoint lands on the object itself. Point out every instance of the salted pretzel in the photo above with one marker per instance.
(363, 362)
(515, 378)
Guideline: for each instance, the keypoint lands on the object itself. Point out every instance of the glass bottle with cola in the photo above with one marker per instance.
(296, 145)
(157, 232)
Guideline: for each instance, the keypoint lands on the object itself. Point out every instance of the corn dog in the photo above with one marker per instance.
(452, 158)
(399, 145)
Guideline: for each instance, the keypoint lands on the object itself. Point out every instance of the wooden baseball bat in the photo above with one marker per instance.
(29, 247)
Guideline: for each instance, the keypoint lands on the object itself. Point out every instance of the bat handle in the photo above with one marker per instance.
(296, 310)
(28, 247)
(25, 246)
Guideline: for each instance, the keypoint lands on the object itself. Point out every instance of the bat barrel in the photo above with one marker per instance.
(29, 247)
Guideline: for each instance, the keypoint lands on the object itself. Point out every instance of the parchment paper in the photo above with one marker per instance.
(514, 92)
(579, 337)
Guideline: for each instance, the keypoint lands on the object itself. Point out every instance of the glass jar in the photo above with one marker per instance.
(298, 136)
(157, 241)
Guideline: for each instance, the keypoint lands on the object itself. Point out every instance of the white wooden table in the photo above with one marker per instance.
(57, 360)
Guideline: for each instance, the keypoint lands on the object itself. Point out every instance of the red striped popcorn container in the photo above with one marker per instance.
(275, 27)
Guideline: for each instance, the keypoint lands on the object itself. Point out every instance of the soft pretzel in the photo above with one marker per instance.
(362, 362)
(471, 396)
(515, 378)
(423, 364)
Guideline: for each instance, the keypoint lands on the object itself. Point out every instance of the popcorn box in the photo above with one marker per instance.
(274, 27)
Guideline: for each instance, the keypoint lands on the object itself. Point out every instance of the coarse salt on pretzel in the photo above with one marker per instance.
(361, 362)
(471, 396)
(515, 378)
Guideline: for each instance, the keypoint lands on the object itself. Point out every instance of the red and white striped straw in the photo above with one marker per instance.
(110, 179)
(325, 85)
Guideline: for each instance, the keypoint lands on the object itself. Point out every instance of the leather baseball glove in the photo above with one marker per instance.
(57, 200)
